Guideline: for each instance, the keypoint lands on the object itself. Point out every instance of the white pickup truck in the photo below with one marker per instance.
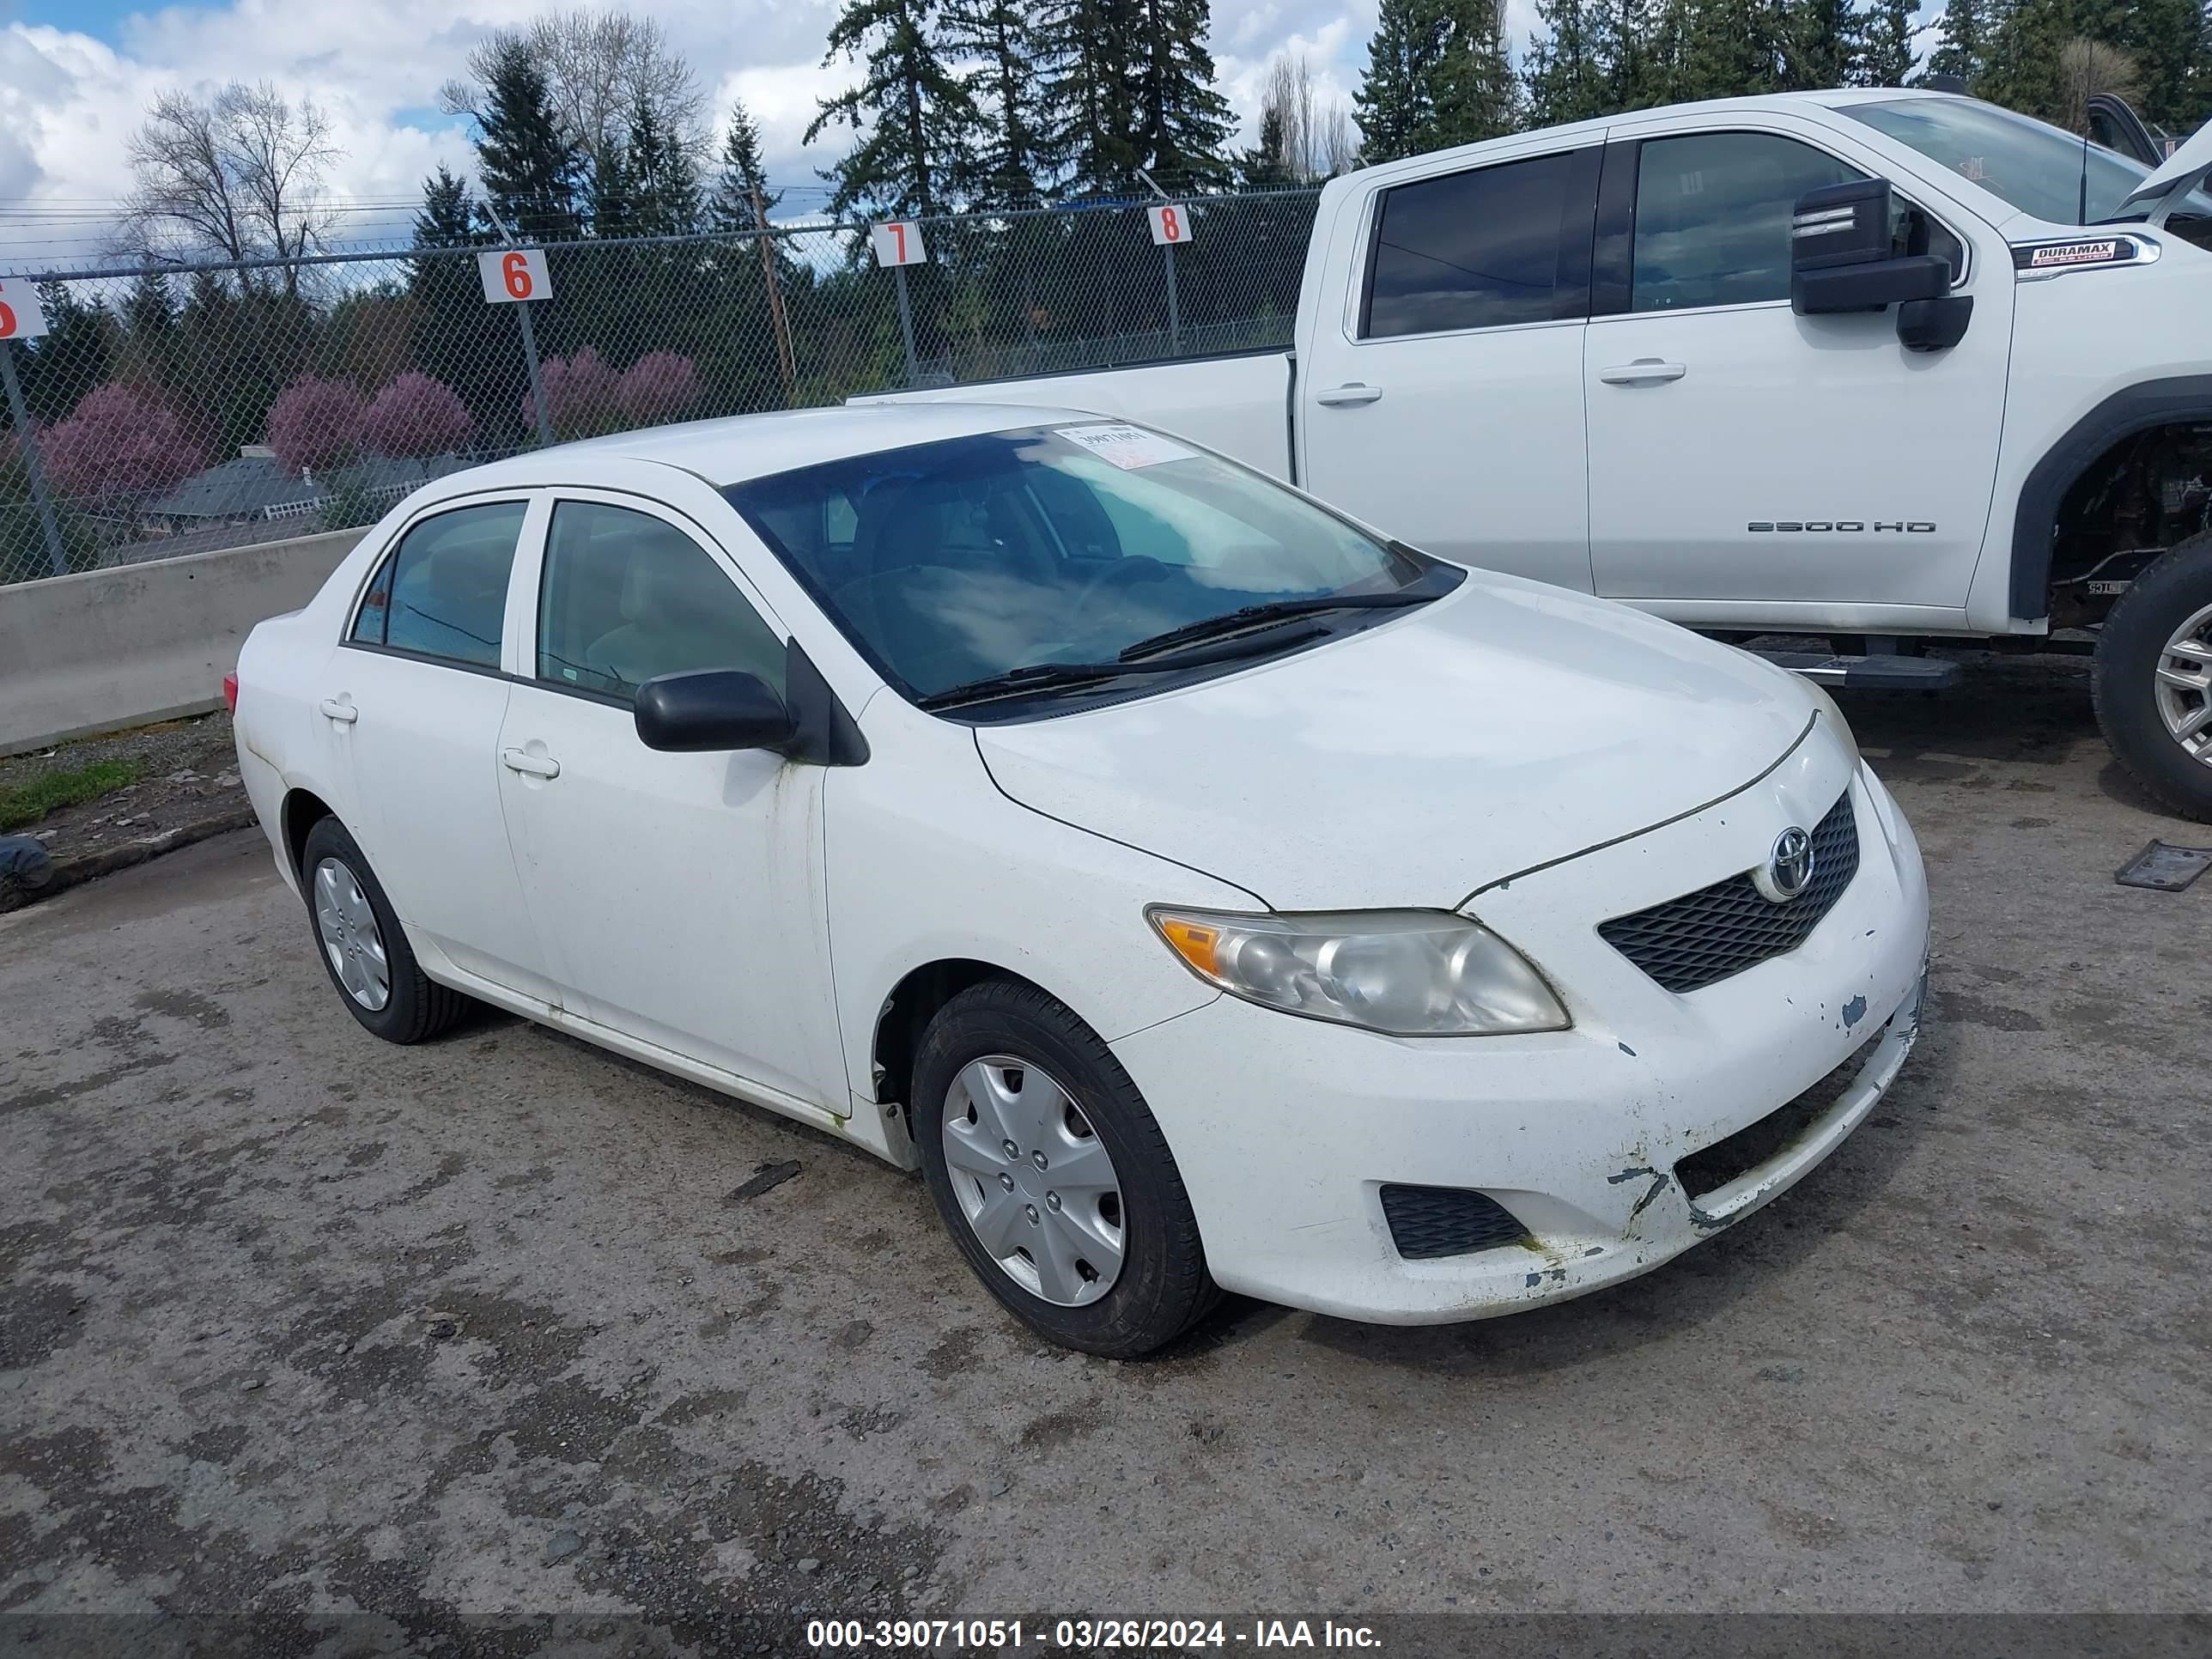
(1880, 365)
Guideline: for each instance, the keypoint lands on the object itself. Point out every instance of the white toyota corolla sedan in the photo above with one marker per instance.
(1204, 891)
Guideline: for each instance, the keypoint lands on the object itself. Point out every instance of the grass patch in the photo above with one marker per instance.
(23, 804)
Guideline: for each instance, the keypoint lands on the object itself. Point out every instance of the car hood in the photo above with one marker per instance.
(1506, 726)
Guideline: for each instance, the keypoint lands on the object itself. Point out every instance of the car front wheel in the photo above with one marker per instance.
(2153, 678)
(1053, 1176)
(363, 947)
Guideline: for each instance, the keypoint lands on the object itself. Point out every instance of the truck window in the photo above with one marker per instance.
(1712, 216)
(1470, 249)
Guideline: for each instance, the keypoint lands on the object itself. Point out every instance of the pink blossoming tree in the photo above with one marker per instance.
(415, 415)
(119, 441)
(316, 422)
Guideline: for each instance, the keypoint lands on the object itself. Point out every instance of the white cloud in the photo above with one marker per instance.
(69, 100)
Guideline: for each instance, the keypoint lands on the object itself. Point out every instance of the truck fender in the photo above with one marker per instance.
(2137, 408)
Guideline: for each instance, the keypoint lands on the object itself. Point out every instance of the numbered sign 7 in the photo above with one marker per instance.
(514, 273)
(21, 317)
(1170, 223)
(898, 242)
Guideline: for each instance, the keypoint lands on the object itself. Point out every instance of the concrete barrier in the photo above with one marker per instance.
(108, 649)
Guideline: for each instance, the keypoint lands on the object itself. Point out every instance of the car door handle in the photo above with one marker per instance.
(1644, 371)
(1345, 397)
(530, 765)
(344, 712)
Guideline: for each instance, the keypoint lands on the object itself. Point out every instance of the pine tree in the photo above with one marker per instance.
(1395, 103)
(1728, 48)
(1008, 159)
(149, 311)
(742, 181)
(663, 180)
(1885, 56)
(1182, 122)
(1477, 96)
(1563, 77)
(528, 168)
(1962, 41)
(2020, 70)
(910, 115)
(1088, 94)
(448, 214)
(1266, 167)
(1821, 42)
(2167, 40)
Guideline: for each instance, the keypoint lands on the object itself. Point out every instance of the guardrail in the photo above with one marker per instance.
(108, 649)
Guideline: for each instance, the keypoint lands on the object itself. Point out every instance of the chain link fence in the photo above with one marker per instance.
(171, 409)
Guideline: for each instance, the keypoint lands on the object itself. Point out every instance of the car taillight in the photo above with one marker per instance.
(230, 691)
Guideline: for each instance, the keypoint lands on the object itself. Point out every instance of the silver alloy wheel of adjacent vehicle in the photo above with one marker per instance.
(351, 938)
(1034, 1180)
(2184, 685)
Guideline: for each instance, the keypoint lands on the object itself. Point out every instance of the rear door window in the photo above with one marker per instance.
(1479, 249)
(442, 593)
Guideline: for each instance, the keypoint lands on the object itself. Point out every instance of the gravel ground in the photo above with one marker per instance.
(188, 769)
(502, 1326)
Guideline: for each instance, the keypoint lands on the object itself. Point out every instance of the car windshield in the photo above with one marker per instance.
(952, 563)
(2037, 168)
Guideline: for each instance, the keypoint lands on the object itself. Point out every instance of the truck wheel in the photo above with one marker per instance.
(2153, 678)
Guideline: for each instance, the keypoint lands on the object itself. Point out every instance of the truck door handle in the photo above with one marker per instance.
(1644, 371)
(1344, 397)
(344, 712)
(530, 765)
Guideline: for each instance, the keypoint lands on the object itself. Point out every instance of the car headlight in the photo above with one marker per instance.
(1408, 973)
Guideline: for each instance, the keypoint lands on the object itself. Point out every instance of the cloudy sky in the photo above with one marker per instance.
(75, 75)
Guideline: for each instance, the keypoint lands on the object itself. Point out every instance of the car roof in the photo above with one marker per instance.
(738, 448)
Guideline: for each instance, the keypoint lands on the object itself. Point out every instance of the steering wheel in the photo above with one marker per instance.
(1125, 572)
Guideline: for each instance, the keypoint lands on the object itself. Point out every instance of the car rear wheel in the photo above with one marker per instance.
(1053, 1176)
(363, 947)
(2153, 678)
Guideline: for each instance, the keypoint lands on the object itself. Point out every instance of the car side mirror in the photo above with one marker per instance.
(1842, 257)
(711, 709)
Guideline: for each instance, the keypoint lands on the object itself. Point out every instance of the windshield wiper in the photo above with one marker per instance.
(1253, 615)
(1055, 675)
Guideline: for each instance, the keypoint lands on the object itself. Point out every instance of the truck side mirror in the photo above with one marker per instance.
(1843, 257)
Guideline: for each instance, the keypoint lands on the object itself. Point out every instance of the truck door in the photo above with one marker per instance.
(1442, 402)
(1743, 459)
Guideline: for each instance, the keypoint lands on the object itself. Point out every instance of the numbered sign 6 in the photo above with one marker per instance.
(21, 317)
(514, 273)
(898, 242)
(1170, 223)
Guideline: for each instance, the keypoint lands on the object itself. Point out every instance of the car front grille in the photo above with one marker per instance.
(1704, 936)
(1427, 1222)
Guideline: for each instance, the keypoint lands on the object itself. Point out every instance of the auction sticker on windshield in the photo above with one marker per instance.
(1127, 447)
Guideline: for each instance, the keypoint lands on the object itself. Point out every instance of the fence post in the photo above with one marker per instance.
(537, 383)
(1174, 312)
(56, 555)
(906, 326)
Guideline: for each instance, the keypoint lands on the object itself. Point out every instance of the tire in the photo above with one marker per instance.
(413, 1007)
(2133, 704)
(1160, 1287)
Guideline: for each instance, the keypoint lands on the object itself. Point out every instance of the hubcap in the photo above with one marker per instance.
(2184, 685)
(1034, 1181)
(350, 938)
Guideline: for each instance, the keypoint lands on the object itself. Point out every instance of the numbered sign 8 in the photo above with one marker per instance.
(514, 273)
(21, 316)
(898, 242)
(1170, 223)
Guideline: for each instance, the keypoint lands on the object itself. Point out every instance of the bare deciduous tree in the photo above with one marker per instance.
(240, 176)
(1318, 141)
(598, 66)
(2086, 68)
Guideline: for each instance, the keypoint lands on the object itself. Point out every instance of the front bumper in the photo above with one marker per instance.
(1286, 1130)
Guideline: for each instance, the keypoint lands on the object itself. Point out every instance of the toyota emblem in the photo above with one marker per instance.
(1788, 868)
